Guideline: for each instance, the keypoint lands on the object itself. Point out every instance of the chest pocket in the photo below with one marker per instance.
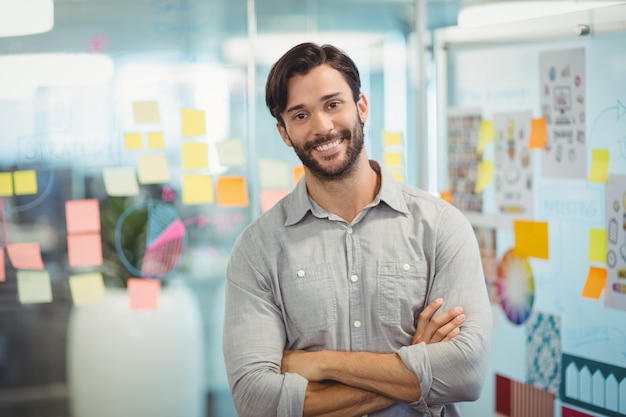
(309, 297)
(401, 288)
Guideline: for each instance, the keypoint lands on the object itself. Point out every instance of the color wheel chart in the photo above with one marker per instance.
(515, 286)
(166, 239)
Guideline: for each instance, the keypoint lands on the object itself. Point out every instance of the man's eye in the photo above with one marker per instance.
(300, 116)
(333, 105)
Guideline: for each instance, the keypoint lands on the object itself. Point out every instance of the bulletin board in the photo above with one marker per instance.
(550, 169)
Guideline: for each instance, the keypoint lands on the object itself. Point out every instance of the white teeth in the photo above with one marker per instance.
(328, 146)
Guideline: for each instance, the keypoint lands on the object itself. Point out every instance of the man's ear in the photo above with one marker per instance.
(363, 107)
(283, 134)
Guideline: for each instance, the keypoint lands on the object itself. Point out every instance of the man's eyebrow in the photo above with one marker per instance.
(323, 98)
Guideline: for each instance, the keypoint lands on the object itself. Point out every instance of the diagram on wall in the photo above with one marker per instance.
(562, 78)
(615, 195)
(513, 165)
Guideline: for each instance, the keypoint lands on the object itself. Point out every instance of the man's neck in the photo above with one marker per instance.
(348, 196)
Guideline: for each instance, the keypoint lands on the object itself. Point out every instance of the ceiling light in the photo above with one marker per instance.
(25, 17)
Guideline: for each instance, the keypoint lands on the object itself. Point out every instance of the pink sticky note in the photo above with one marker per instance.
(82, 216)
(84, 250)
(25, 255)
(144, 293)
(270, 197)
(3, 276)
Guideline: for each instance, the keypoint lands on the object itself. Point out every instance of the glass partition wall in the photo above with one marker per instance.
(134, 147)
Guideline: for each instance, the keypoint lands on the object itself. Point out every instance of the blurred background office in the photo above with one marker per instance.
(135, 146)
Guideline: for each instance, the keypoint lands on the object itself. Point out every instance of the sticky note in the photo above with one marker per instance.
(156, 140)
(538, 133)
(392, 139)
(398, 175)
(133, 141)
(153, 169)
(392, 159)
(197, 189)
(273, 174)
(231, 153)
(269, 198)
(298, 172)
(146, 112)
(84, 250)
(195, 155)
(6, 184)
(599, 171)
(485, 175)
(34, 287)
(3, 275)
(486, 134)
(232, 192)
(82, 216)
(192, 122)
(25, 255)
(446, 195)
(143, 294)
(531, 239)
(597, 245)
(25, 182)
(595, 282)
(87, 289)
(120, 181)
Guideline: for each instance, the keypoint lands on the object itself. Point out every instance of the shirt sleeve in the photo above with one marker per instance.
(254, 340)
(455, 371)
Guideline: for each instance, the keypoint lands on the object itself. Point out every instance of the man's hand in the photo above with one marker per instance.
(438, 329)
(301, 362)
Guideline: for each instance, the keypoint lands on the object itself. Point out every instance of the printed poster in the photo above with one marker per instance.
(615, 195)
(513, 165)
(563, 83)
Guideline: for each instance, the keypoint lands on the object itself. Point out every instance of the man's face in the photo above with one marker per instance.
(323, 124)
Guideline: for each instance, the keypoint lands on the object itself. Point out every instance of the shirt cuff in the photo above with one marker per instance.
(416, 359)
(291, 401)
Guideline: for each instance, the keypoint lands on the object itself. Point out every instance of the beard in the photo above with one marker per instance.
(355, 141)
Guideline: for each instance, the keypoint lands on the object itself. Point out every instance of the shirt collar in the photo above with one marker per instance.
(390, 193)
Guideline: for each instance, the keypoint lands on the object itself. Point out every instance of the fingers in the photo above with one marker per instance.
(443, 327)
(424, 319)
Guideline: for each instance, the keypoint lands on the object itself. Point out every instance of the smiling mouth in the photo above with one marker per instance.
(328, 146)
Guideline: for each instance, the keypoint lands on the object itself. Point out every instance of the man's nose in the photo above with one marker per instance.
(322, 123)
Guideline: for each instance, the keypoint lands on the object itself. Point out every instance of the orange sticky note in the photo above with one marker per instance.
(197, 189)
(298, 172)
(596, 280)
(446, 195)
(25, 255)
(84, 249)
(270, 197)
(538, 132)
(143, 293)
(146, 112)
(232, 192)
(193, 123)
(3, 276)
(87, 288)
(597, 245)
(531, 239)
(82, 216)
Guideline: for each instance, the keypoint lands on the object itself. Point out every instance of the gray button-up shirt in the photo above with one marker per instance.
(300, 277)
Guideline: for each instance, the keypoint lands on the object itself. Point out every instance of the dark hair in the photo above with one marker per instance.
(299, 60)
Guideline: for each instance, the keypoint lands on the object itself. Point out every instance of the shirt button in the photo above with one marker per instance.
(354, 278)
(406, 267)
(357, 324)
(349, 230)
(301, 273)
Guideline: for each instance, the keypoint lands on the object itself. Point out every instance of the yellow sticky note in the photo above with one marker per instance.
(82, 215)
(143, 294)
(193, 123)
(87, 289)
(531, 239)
(392, 139)
(232, 192)
(596, 280)
(599, 171)
(25, 255)
(486, 133)
(195, 155)
(485, 174)
(84, 249)
(298, 172)
(197, 189)
(6, 184)
(25, 182)
(120, 181)
(133, 141)
(392, 159)
(146, 112)
(34, 287)
(538, 133)
(156, 140)
(597, 245)
(153, 169)
(399, 176)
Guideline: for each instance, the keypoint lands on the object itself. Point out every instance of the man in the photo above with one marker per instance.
(331, 295)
